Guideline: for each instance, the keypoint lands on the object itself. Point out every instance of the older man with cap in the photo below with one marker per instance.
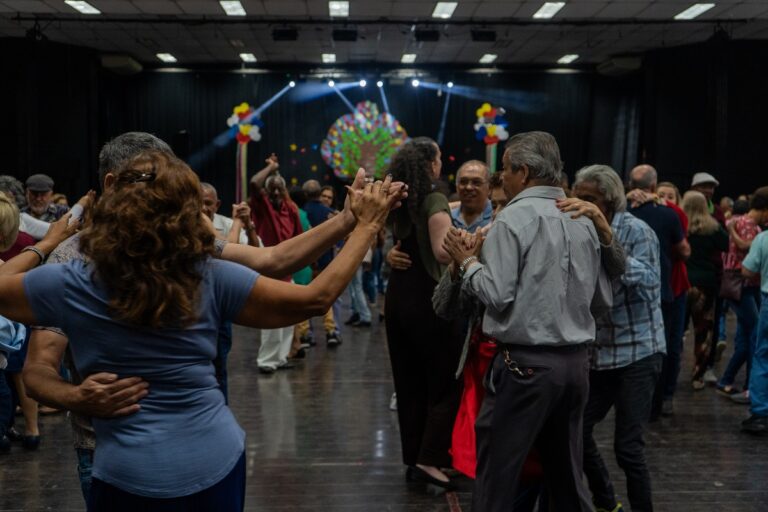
(706, 183)
(40, 199)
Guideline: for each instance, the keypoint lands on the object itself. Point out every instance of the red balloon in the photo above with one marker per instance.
(242, 138)
(491, 139)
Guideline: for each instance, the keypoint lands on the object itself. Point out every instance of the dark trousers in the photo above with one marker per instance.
(542, 405)
(6, 403)
(227, 495)
(674, 329)
(629, 390)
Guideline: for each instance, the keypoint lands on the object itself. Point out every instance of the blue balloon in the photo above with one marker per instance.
(481, 133)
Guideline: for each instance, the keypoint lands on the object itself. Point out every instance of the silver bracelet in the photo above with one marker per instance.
(463, 265)
(40, 254)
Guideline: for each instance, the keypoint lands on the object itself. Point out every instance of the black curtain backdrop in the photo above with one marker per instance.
(690, 109)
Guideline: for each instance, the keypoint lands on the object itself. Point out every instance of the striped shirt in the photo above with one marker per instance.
(634, 329)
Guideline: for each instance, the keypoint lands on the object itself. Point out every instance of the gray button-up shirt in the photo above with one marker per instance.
(540, 277)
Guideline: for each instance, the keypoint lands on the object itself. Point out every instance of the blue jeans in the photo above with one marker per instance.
(84, 470)
(747, 310)
(357, 296)
(758, 376)
(674, 328)
(721, 322)
(369, 285)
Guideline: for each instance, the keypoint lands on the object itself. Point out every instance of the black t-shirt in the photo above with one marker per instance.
(666, 224)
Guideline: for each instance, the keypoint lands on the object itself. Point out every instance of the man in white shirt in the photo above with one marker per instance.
(223, 225)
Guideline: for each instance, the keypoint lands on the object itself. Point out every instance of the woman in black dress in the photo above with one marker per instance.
(424, 350)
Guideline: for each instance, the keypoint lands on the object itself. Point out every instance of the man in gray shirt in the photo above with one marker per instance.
(541, 282)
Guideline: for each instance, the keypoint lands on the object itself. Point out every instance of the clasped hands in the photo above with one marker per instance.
(462, 245)
(370, 202)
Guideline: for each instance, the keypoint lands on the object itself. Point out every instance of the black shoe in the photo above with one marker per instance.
(354, 318)
(333, 339)
(361, 323)
(287, 366)
(300, 354)
(307, 341)
(419, 475)
(31, 443)
(266, 370)
(5, 444)
(14, 435)
(755, 425)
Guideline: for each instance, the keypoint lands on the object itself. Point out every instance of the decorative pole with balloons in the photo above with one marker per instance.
(244, 127)
(491, 127)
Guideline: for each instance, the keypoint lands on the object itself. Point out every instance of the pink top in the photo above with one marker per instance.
(747, 229)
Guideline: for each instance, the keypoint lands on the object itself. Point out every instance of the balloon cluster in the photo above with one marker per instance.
(244, 125)
(364, 138)
(491, 126)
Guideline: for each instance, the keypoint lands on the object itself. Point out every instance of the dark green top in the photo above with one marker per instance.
(703, 265)
(434, 203)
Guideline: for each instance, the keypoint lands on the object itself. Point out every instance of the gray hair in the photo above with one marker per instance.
(123, 148)
(12, 186)
(311, 189)
(276, 179)
(607, 182)
(539, 152)
(207, 186)
(475, 163)
(643, 177)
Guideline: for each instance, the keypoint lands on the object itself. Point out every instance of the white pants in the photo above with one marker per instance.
(275, 346)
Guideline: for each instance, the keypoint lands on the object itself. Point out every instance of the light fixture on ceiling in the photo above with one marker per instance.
(82, 7)
(444, 10)
(232, 7)
(166, 57)
(248, 57)
(567, 59)
(291, 84)
(331, 83)
(449, 85)
(363, 83)
(338, 8)
(329, 58)
(379, 84)
(408, 58)
(694, 11)
(548, 10)
(488, 58)
(415, 82)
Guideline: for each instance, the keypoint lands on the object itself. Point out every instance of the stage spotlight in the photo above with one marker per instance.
(291, 84)
(331, 83)
(449, 84)
(415, 82)
(363, 83)
(379, 84)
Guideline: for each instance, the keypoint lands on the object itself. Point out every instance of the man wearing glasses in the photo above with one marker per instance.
(472, 184)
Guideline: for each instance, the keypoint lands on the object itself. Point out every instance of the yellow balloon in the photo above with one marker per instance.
(479, 112)
(491, 130)
(245, 129)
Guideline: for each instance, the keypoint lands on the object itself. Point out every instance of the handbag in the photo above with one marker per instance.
(731, 284)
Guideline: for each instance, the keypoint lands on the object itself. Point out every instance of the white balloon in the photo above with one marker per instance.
(233, 120)
(255, 134)
(502, 132)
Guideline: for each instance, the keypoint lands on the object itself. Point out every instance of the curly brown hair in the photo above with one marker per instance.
(411, 165)
(148, 241)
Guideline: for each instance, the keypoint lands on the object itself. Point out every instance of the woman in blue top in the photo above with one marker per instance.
(148, 302)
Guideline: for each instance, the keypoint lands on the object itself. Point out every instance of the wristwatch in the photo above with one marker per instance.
(465, 263)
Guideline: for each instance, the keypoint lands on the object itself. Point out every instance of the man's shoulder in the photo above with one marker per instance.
(221, 220)
(634, 227)
(67, 250)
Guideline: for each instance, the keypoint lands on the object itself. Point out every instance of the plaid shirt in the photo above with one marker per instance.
(634, 329)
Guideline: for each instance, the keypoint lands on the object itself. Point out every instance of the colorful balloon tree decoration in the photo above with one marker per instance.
(364, 138)
(244, 127)
(491, 127)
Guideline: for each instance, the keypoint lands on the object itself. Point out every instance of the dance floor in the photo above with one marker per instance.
(321, 437)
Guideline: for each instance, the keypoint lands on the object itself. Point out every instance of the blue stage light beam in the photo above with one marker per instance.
(383, 97)
(348, 103)
(528, 102)
(441, 133)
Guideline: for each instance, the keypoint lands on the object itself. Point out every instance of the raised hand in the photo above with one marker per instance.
(242, 211)
(59, 231)
(460, 244)
(371, 205)
(272, 162)
(397, 192)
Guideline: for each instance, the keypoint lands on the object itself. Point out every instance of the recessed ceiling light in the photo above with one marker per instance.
(379, 84)
(694, 11)
(82, 7)
(444, 10)
(166, 57)
(548, 10)
(488, 58)
(567, 59)
(232, 7)
(408, 58)
(248, 57)
(340, 9)
(331, 83)
(329, 58)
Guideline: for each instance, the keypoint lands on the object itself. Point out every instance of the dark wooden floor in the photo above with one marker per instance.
(321, 437)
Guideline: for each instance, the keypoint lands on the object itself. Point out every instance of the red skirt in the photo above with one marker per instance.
(482, 349)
